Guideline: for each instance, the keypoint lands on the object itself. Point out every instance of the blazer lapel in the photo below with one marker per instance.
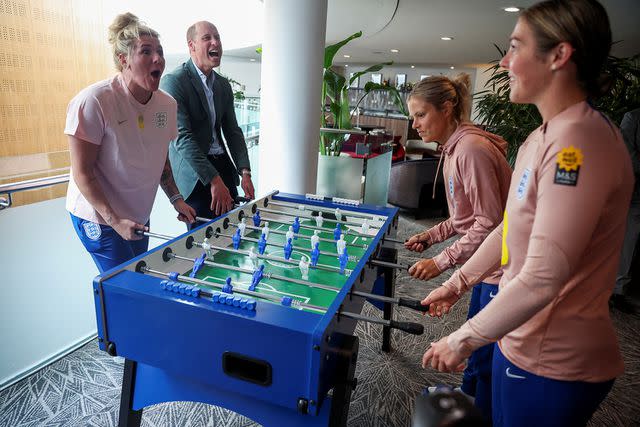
(196, 82)
(217, 102)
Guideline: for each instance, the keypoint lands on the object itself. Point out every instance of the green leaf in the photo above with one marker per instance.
(331, 50)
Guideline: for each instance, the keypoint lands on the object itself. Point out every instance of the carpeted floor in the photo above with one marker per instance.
(83, 389)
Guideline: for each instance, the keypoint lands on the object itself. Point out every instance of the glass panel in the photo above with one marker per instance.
(340, 177)
(376, 183)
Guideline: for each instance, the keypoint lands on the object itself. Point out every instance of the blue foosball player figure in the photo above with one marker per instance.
(256, 219)
(315, 255)
(262, 244)
(296, 225)
(337, 232)
(197, 264)
(288, 248)
(256, 277)
(228, 287)
(344, 258)
(237, 237)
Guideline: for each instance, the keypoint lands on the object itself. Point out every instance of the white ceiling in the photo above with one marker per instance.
(414, 27)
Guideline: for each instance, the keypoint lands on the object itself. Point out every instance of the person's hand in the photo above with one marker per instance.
(424, 269)
(417, 243)
(441, 357)
(440, 301)
(221, 201)
(185, 212)
(127, 228)
(247, 186)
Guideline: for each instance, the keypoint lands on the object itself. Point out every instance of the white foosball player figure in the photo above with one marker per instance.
(365, 226)
(319, 219)
(338, 214)
(265, 230)
(242, 226)
(206, 246)
(289, 234)
(341, 245)
(314, 239)
(253, 256)
(304, 268)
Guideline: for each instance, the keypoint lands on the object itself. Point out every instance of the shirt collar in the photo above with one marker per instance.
(203, 77)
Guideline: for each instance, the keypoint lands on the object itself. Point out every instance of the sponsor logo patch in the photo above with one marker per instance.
(568, 164)
(92, 230)
(161, 119)
(522, 185)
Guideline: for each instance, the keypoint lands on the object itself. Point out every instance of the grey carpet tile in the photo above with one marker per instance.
(83, 389)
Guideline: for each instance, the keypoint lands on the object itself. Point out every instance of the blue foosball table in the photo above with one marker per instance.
(254, 311)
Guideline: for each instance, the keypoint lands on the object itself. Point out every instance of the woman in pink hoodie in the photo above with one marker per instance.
(557, 354)
(477, 177)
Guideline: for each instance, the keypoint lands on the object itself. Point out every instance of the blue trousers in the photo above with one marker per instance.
(107, 248)
(522, 399)
(476, 378)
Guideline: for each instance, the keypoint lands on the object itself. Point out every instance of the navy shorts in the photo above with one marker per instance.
(522, 399)
(107, 248)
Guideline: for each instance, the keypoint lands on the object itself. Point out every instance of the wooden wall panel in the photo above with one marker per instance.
(49, 50)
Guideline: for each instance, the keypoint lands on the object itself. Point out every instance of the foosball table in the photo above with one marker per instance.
(255, 310)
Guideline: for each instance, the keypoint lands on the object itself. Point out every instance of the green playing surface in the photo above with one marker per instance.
(301, 247)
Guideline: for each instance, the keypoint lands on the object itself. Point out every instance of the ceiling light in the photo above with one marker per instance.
(252, 60)
(347, 56)
(512, 9)
(395, 50)
(413, 66)
(346, 65)
(452, 67)
(446, 38)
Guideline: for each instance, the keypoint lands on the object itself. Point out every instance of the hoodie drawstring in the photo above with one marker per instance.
(435, 180)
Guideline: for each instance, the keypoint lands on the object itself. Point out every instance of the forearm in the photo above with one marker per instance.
(538, 283)
(439, 232)
(167, 183)
(484, 261)
(92, 192)
(462, 249)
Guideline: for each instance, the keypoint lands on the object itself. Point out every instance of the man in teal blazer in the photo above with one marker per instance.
(205, 170)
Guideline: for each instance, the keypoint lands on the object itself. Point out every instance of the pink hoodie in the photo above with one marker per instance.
(477, 177)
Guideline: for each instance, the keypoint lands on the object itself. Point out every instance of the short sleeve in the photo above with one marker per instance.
(85, 118)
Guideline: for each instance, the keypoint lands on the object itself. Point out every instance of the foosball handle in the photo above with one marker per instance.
(240, 199)
(408, 327)
(413, 304)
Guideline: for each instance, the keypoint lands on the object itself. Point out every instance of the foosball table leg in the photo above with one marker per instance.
(389, 255)
(346, 382)
(128, 416)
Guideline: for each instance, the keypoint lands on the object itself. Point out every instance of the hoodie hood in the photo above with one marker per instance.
(468, 129)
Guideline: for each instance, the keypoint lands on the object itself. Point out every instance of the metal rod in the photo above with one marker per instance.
(250, 239)
(302, 236)
(313, 227)
(274, 258)
(328, 210)
(312, 217)
(380, 263)
(236, 251)
(254, 294)
(267, 275)
(389, 239)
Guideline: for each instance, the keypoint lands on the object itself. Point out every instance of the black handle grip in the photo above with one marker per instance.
(408, 327)
(139, 232)
(240, 199)
(413, 304)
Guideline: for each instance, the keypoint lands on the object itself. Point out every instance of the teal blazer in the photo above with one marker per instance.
(188, 153)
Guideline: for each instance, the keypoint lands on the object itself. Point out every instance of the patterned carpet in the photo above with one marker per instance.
(83, 389)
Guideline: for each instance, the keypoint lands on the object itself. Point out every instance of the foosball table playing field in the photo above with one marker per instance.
(254, 311)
